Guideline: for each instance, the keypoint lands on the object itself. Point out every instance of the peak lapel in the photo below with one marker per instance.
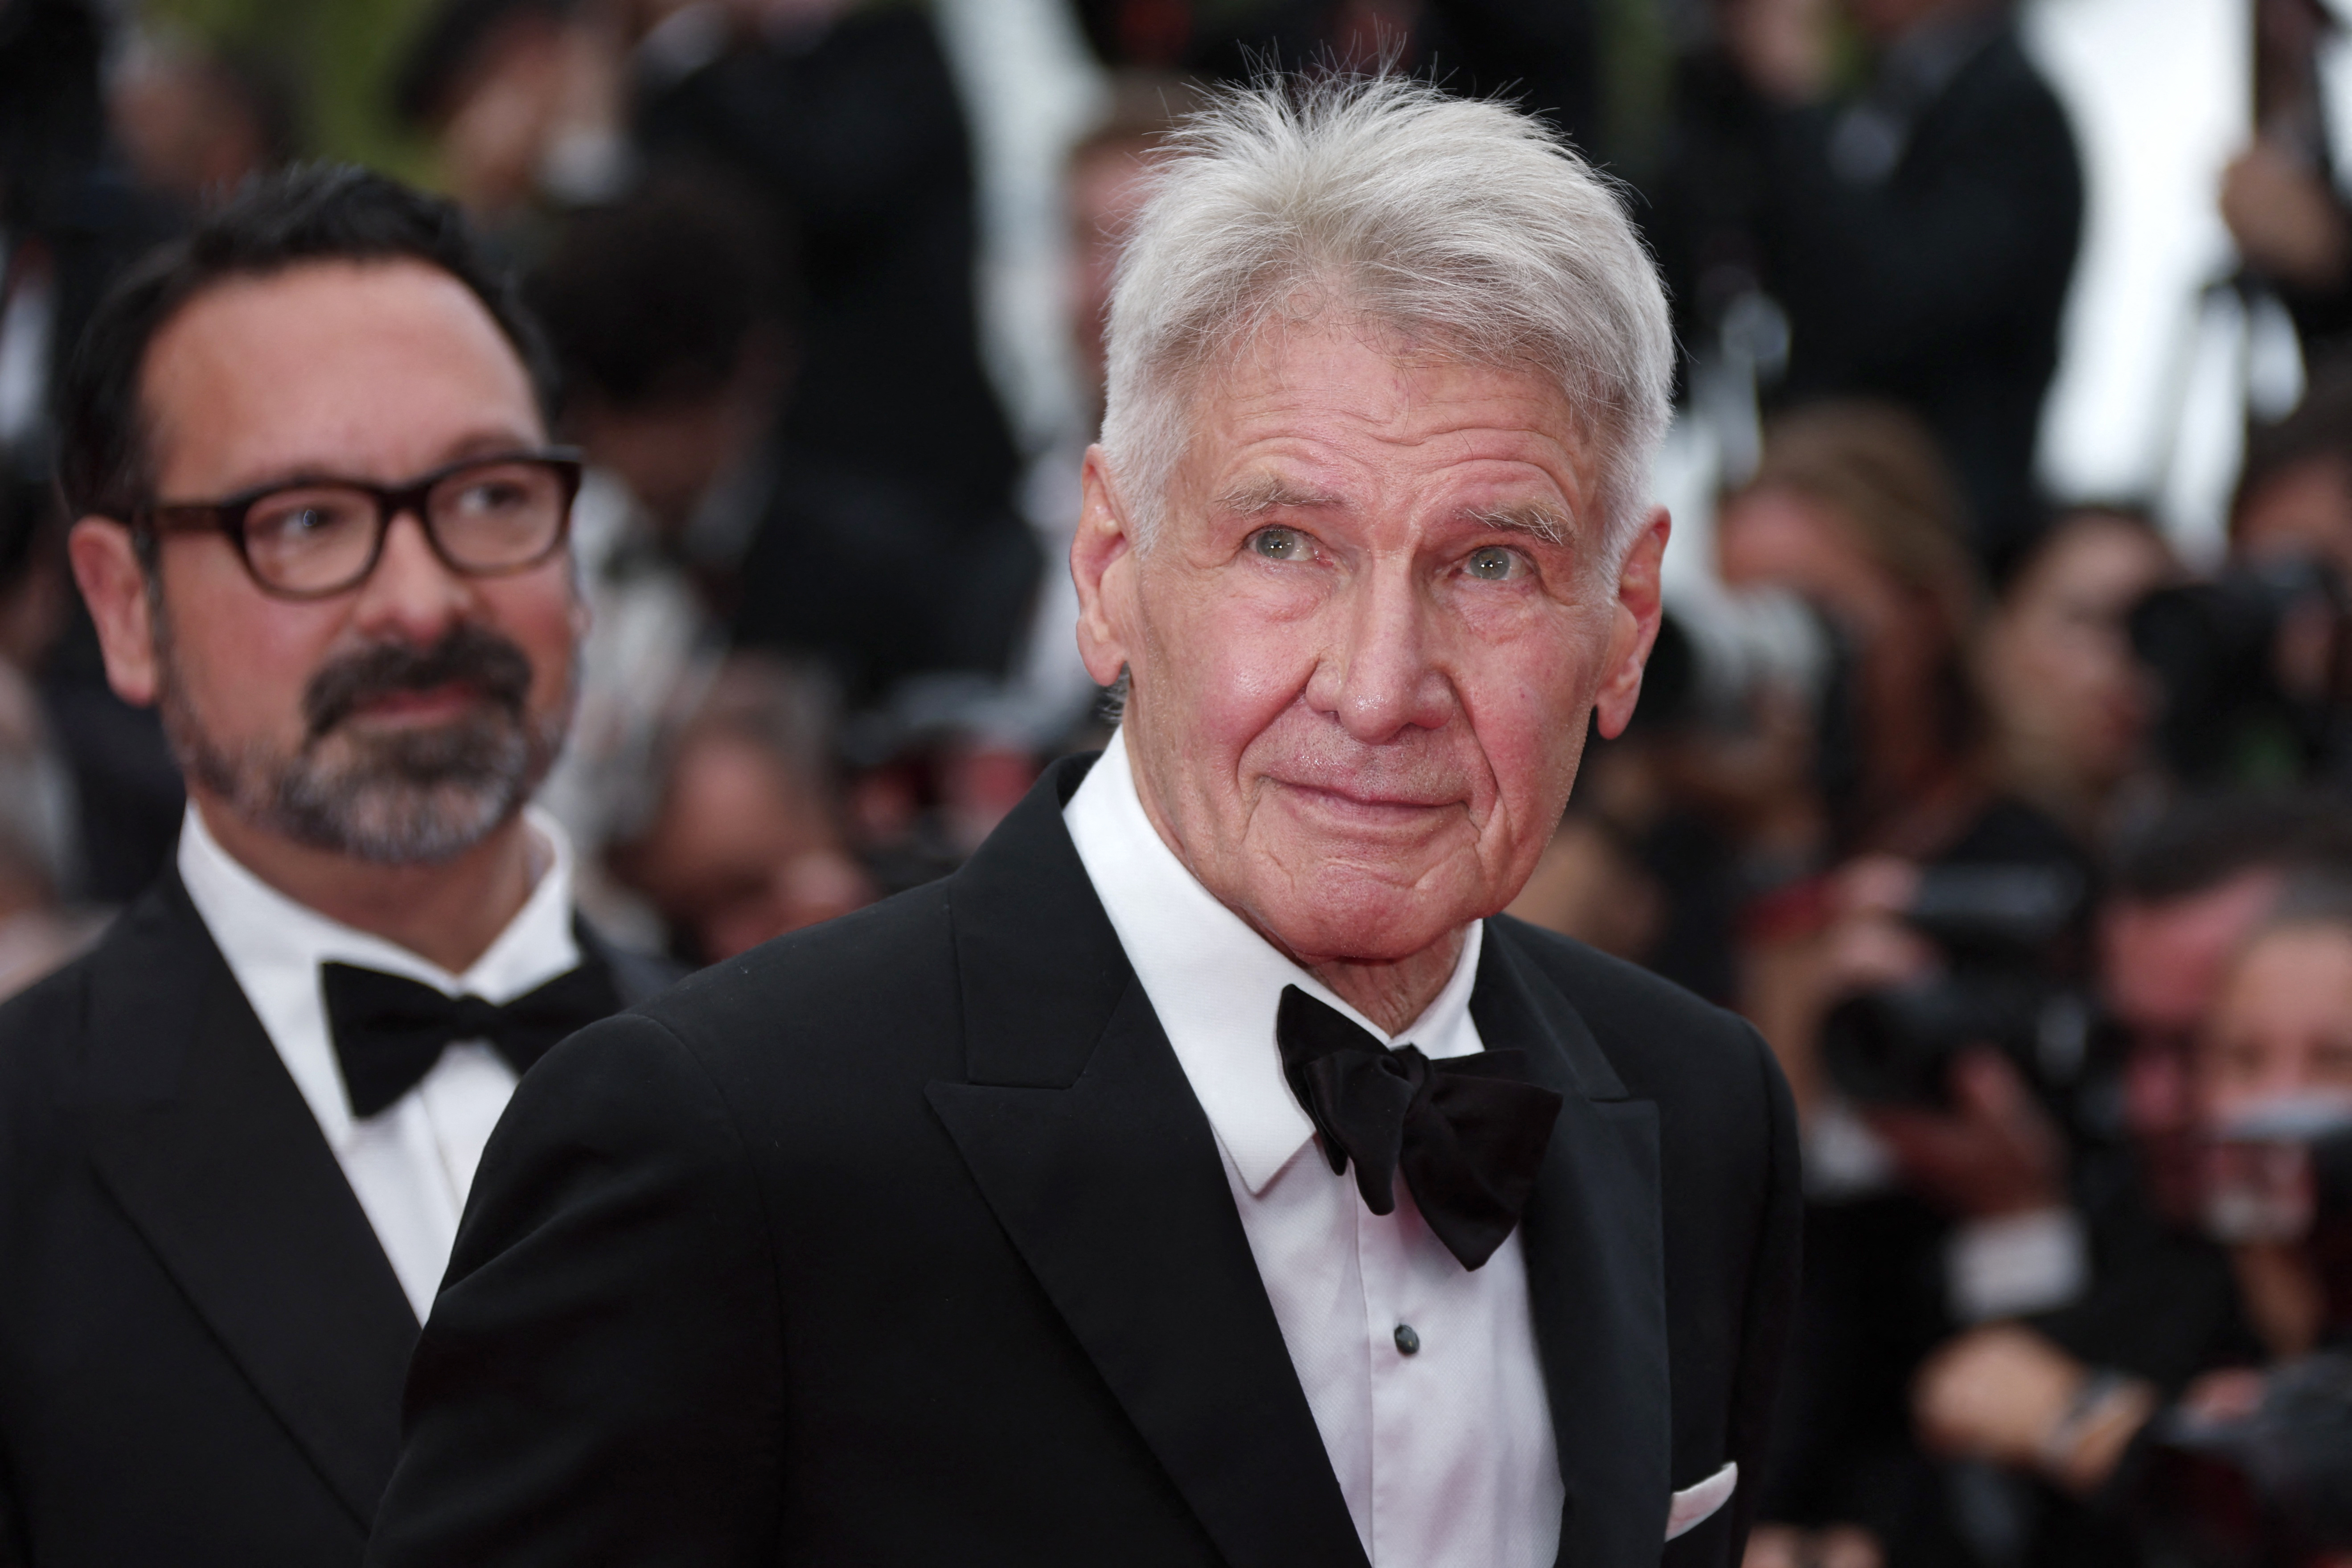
(204, 1140)
(1596, 1268)
(1083, 1134)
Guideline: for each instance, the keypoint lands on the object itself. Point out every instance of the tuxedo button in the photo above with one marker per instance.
(1407, 1340)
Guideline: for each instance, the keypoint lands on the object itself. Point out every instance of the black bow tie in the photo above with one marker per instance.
(389, 1031)
(1469, 1132)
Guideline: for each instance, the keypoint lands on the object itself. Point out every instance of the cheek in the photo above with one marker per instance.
(1528, 697)
(539, 611)
(241, 659)
(1226, 657)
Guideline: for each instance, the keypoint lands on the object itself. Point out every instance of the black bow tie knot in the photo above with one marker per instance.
(1468, 1132)
(389, 1030)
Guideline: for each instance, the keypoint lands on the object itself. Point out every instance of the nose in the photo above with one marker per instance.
(411, 596)
(1378, 677)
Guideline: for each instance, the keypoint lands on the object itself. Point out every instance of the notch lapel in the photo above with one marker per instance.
(1083, 1134)
(1596, 1268)
(201, 1137)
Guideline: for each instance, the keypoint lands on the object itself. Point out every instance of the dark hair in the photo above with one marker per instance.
(2319, 426)
(449, 44)
(2062, 524)
(2202, 842)
(310, 212)
(657, 299)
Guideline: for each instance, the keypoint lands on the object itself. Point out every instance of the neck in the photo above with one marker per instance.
(1394, 994)
(447, 913)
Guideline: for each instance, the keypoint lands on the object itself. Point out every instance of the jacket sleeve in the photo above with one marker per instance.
(599, 1379)
(1773, 1279)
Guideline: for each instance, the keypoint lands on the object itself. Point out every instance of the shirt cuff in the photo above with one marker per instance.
(2017, 1264)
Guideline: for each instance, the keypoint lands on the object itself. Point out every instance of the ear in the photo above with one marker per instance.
(1633, 627)
(1102, 565)
(114, 585)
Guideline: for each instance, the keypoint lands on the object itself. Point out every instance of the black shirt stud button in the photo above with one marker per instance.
(1407, 1340)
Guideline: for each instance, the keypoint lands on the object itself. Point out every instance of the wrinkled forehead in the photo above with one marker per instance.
(1267, 424)
(1256, 340)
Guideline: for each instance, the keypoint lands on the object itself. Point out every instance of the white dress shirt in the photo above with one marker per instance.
(1445, 1456)
(410, 1163)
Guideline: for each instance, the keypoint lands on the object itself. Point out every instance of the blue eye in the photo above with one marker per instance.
(1279, 543)
(1492, 563)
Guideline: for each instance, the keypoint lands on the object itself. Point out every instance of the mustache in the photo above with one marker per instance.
(475, 656)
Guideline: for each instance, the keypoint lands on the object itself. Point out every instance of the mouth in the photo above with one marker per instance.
(1368, 808)
(396, 686)
(409, 706)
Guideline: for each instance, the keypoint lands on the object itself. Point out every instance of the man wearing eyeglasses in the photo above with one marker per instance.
(320, 527)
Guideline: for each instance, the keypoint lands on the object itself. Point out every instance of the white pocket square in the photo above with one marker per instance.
(1693, 1505)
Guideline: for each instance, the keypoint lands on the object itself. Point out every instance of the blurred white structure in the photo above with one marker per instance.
(1031, 89)
(2150, 391)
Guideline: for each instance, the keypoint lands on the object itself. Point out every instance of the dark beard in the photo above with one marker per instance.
(407, 798)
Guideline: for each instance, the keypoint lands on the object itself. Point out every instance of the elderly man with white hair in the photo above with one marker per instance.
(1207, 1172)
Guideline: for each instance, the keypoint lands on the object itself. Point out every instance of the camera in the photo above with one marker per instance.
(2270, 1483)
(2003, 930)
(2252, 668)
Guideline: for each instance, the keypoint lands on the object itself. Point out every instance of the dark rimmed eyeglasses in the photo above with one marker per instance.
(311, 539)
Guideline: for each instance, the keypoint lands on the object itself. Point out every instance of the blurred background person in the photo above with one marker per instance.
(526, 104)
(1549, 54)
(747, 839)
(1917, 236)
(2271, 1089)
(2068, 709)
(2254, 664)
(72, 214)
(195, 122)
(2279, 197)
(670, 319)
(38, 928)
(847, 120)
(1852, 511)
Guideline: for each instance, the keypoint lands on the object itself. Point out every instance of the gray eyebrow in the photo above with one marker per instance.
(1265, 492)
(1533, 518)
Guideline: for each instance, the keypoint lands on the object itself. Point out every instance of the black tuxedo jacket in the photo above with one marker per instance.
(201, 1342)
(904, 1240)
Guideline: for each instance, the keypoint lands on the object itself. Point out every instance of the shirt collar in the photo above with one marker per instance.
(1215, 984)
(258, 927)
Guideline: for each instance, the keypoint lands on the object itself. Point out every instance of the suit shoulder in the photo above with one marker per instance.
(861, 965)
(47, 1016)
(40, 1020)
(1651, 1028)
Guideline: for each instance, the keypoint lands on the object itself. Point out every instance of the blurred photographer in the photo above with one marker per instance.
(2242, 1468)
(2255, 665)
(2068, 710)
(1938, 1191)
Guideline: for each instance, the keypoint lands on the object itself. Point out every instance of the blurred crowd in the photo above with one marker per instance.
(2022, 840)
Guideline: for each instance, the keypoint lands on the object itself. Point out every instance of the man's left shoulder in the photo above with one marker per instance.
(1665, 1044)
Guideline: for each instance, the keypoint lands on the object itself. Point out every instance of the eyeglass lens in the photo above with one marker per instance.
(487, 518)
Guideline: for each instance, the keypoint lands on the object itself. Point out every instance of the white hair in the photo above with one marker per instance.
(1464, 227)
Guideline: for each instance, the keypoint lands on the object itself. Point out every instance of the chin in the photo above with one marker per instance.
(1364, 920)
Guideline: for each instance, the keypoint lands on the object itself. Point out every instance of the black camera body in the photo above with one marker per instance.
(2273, 1486)
(2229, 717)
(2000, 927)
